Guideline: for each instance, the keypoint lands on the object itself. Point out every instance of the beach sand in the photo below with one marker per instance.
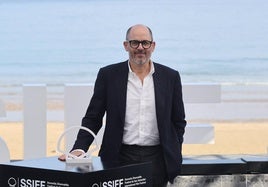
(230, 138)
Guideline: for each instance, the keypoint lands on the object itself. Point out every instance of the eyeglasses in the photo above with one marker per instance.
(146, 44)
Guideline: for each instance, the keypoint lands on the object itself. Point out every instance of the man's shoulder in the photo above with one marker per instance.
(161, 67)
(119, 68)
(115, 65)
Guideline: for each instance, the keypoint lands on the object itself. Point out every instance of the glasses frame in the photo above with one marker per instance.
(142, 42)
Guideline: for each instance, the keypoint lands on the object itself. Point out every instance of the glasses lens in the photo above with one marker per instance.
(146, 44)
(135, 44)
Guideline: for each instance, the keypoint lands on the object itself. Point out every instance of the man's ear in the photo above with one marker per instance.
(125, 43)
(153, 45)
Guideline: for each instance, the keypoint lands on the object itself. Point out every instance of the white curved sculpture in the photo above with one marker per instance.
(84, 158)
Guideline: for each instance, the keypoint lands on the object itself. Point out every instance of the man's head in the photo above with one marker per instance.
(139, 44)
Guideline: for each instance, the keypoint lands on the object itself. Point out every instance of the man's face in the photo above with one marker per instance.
(138, 48)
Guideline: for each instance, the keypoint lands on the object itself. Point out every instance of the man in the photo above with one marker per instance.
(145, 117)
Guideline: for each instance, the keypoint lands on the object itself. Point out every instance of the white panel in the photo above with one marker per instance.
(34, 113)
(2, 109)
(201, 93)
(4, 152)
(77, 97)
(199, 134)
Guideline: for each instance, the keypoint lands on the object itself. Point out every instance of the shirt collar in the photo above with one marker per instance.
(151, 70)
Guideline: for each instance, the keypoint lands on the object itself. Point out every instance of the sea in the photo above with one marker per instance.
(55, 42)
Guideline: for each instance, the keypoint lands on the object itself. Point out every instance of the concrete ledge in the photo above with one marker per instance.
(224, 164)
(213, 166)
(240, 180)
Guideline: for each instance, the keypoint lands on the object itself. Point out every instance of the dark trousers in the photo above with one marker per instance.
(136, 154)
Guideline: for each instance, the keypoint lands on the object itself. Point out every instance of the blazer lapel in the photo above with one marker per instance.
(160, 92)
(121, 89)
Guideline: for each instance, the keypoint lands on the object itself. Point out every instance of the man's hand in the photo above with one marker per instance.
(74, 152)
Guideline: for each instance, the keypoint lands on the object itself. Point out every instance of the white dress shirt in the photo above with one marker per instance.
(140, 120)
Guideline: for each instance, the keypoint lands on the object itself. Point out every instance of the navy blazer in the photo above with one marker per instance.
(109, 97)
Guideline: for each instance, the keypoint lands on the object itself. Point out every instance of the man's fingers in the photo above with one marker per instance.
(75, 152)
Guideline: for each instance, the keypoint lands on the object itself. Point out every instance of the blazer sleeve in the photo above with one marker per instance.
(178, 108)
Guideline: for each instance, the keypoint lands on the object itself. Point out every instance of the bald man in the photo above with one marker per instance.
(145, 118)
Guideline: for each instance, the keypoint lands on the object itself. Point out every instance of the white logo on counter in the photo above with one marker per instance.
(32, 183)
(12, 182)
(111, 183)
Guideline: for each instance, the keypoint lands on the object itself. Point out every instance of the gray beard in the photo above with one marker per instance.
(140, 62)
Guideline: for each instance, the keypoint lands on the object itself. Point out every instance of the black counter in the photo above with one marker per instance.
(50, 172)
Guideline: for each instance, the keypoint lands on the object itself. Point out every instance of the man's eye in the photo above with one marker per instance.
(135, 42)
(145, 43)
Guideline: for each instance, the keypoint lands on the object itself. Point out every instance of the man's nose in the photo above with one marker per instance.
(140, 46)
